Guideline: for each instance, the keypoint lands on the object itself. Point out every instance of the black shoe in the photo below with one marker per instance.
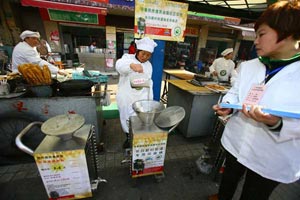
(126, 144)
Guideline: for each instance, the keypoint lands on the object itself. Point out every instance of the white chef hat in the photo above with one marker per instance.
(28, 33)
(145, 44)
(227, 51)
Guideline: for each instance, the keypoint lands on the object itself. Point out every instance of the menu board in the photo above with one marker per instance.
(148, 153)
(64, 174)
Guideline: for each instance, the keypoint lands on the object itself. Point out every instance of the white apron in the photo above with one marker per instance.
(126, 95)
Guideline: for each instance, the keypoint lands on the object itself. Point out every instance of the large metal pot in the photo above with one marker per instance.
(147, 109)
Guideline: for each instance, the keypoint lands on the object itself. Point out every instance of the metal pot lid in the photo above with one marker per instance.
(62, 124)
(170, 117)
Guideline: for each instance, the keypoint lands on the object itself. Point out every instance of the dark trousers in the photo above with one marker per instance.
(255, 187)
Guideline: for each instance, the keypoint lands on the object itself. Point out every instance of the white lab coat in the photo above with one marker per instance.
(224, 68)
(92, 48)
(126, 95)
(24, 53)
(273, 155)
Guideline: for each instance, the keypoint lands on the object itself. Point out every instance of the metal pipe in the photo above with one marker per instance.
(18, 140)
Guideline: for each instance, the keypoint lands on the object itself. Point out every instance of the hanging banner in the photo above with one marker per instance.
(66, 16)
(163, 20)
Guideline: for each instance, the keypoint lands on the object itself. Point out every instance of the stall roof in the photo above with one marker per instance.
(247, 32)
(247, 10)
(247, 5)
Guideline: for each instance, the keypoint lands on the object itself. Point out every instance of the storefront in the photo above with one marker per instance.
(176, 52)
(66, 32)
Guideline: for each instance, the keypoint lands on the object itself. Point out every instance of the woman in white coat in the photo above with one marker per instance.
(130, 66)
(265, 146)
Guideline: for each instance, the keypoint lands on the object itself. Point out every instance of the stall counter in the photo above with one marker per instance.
(41, 109)
(197, 102)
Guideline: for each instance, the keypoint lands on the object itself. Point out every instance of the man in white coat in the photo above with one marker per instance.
(25, 52)
(130, 66)
(223, 67)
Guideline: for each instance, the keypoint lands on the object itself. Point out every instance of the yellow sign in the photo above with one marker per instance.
(160, 19)
(64, 174)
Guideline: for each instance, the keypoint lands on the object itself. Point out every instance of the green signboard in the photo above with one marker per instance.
(78, 17)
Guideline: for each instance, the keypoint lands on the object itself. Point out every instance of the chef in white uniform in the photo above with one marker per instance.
(25, 52)
(130, 66)
(265, 147)
(223, 67)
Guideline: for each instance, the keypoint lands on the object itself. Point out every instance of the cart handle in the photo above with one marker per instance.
(18, 140)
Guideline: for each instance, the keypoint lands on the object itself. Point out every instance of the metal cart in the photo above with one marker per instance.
(68, 163)
(149, 142)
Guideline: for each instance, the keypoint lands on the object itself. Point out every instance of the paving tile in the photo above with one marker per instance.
(14, 168)
(172, 156)
(171, 149)
(3, 169)
(109, 156)
(6, 177)
(19, 175)
(110, 164)
(32, 174)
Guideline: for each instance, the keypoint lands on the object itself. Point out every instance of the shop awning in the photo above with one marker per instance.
(246, 31)
(64, 6)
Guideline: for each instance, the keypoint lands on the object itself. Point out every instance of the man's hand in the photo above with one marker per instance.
(62, 72)
(215, 73)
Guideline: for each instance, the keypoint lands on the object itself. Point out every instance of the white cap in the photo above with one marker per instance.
(227, 51)
(145, 44)
(28, 33)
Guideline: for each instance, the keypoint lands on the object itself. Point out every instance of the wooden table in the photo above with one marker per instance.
(174, 74)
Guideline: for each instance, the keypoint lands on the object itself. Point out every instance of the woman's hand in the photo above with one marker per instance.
(256, 114)
(221, 111)
(137, 67)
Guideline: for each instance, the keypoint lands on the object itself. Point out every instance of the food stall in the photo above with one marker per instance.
(75, 94)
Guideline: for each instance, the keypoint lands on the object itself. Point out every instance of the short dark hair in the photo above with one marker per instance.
(283, 17)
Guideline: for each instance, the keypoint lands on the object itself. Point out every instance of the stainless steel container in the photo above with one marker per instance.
(76, 50)
(98, 50)
(147, 109)
(84, 49)
(66, 47)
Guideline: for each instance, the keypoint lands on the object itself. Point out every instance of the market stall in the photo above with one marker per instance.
(75, 94)
(174, 74)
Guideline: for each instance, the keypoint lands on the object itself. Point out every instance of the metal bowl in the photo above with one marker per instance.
(147, 109)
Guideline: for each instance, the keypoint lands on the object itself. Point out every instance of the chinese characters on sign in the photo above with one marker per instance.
(163, 20)
(64, 174)
(148, 153)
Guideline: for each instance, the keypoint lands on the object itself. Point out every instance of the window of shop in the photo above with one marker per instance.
(177, 52)
(76, 36)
